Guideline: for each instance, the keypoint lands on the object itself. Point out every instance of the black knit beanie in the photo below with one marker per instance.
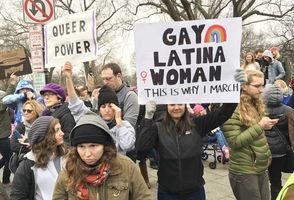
(39, 129)
(89, 133)
(107, 95)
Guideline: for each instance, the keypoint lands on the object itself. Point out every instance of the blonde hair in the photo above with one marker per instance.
(38, 108)
(251, 110)
(282, 85)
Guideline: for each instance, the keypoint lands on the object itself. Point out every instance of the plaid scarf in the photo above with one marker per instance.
(96, 177)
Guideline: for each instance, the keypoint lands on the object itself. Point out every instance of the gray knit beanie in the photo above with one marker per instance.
(273, 95)
(39, 129)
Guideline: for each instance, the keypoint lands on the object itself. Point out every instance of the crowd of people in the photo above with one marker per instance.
(78, 145)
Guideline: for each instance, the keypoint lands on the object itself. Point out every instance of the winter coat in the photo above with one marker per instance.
(25, 183)
(181, 169)
(14, 144)
(63, 114)
(16, 100)
(124, 182)
(275, 71)
(249, 150)
(5, 124)
(275, 109)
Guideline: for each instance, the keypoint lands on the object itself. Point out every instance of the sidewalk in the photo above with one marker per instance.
(217, 185)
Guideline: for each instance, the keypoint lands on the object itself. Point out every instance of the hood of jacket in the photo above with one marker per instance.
(24, 84)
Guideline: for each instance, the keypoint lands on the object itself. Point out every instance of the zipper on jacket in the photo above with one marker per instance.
(179, 160)
(253, 156)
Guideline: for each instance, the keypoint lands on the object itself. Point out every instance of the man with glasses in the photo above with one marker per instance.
(245, 132)
(111, 75)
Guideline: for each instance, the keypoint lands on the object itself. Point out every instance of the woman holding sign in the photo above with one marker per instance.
(178, 142)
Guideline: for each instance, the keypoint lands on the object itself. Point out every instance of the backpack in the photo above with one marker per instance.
(15, 160)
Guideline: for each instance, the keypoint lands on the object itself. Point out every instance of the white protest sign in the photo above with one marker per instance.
(71, 38)
(189, 61)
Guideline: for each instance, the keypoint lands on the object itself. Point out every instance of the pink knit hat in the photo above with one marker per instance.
(198, 108)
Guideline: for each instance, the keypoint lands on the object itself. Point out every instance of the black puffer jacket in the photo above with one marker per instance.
(275, 109)
(180, 170)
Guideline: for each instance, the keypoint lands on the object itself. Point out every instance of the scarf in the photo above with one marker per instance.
(96, 177)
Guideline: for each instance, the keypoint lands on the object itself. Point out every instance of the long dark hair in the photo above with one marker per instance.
(77, 176)
(183, 125)
(48, 147)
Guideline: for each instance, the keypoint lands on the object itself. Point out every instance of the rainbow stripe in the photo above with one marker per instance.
(215, 33)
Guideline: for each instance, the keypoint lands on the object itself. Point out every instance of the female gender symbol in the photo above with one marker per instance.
(143, 75)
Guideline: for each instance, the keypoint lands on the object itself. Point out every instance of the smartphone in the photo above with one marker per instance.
(16, 135)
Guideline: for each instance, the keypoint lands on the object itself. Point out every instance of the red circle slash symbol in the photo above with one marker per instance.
(36, 8)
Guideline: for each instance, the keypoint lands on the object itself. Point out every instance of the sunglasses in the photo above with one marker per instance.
(27, 110)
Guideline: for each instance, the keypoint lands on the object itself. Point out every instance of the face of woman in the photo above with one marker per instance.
(249, 58)
(29, 113)
(176, 111)
(50, 99)
(107, 112)
(90, 153)
(58, 134)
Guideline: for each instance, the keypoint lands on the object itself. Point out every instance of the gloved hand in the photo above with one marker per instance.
(150, 109)
(240, 76)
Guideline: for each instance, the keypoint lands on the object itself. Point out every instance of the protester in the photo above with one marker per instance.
(276, 110)
(111, 75)
(32, 109)
(94, 170)
(273, 69)
(250, 62)
(249, 152)
(36, 175)
(285, 63)
(85, 97)
(5, 131)
(178, 141)
(54, 99)
(24, 91)
(121, 130)
(287, 92)
(258, 58)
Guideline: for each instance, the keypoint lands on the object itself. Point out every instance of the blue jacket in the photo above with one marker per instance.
(16, 100)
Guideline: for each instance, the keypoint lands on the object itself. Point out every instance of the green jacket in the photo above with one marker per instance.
(249, 150)
(5, 124)
(284, 190)
(125, 182)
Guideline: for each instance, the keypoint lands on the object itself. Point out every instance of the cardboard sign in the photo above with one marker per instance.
(14, 61)
(71, 38)
(188, 61)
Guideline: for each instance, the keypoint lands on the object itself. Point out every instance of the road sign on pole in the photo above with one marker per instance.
(38, 11)
(36, 36)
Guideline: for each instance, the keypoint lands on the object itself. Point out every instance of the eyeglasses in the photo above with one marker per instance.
(27, 110)
(257, 86)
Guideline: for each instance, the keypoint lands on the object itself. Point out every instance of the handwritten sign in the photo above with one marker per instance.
(14, 61)
(71, 38)
(189, 61)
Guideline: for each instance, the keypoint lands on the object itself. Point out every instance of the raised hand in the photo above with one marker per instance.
(117, 115)
(67, 69)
